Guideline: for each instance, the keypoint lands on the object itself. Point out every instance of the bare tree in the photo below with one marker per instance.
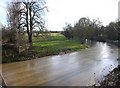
(26, 15)
(13, 14)
(32, 16)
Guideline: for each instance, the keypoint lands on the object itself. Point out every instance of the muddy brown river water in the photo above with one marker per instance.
(82, 68)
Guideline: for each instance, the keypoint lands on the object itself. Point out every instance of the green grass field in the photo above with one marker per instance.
(53, 44)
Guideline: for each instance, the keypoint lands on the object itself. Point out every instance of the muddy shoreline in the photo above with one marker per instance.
(112, 79)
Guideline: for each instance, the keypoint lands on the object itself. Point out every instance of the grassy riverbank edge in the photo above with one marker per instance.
(55, 44)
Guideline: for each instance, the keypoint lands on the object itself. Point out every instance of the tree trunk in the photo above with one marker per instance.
(29, 31)
(30, 35)
(30, 38)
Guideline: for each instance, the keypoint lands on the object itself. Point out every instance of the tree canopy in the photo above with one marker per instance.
(93, 30)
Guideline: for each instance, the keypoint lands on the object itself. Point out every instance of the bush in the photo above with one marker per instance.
(8, 35)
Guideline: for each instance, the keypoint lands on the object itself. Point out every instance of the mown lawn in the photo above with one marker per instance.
(53, 44)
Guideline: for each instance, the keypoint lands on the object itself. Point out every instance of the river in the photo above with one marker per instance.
(83, 68)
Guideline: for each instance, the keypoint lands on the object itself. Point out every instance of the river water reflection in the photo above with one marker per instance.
(81, 68)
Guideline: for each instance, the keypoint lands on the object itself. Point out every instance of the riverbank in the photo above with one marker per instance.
(117, 43)
(112, 79)
(54, 44)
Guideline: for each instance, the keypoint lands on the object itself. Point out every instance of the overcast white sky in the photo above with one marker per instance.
(62, 11)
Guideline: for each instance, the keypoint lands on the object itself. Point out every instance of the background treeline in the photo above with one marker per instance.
(92, 30)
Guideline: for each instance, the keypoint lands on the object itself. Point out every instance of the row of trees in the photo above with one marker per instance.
(25, 16)
(112, 31)
(93, 30)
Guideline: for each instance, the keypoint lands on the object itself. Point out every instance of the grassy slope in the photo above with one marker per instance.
(54, 44)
